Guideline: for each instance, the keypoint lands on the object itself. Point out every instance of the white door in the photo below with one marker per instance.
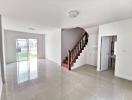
(105, 49)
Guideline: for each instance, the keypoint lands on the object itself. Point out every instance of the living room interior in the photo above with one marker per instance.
(65, 50)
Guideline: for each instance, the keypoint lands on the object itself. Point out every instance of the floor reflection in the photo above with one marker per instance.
(26, 70)
(55, 83)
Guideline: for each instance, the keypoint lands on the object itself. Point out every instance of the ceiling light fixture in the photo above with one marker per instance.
(73, 13)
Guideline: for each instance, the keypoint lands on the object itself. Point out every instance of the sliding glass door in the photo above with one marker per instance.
(21, 49)
(26, 49)
(32, 49)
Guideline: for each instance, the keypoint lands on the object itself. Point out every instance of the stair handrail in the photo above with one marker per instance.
(79, 40)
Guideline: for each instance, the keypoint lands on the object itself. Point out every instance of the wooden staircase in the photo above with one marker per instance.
(75, 52)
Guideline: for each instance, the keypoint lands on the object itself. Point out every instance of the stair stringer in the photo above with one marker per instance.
(81, 59)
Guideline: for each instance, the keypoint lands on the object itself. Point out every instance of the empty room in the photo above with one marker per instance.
(65, 50)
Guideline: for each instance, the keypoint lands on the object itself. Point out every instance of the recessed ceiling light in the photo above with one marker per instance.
(31, 28)
(73, 13)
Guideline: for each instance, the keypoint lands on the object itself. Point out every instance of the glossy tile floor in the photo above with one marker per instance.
(45, 80)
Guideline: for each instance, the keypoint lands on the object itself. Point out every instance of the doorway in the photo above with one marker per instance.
(108, 52)
(26, 49)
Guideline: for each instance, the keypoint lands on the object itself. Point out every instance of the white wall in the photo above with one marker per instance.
(123, 30)
(0, 59)
(92, 46)
(0, 79)
(69, 39)
(53, 46)
(10, 44)
(2, 55)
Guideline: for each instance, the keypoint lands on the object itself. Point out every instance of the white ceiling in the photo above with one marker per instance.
(45, 15)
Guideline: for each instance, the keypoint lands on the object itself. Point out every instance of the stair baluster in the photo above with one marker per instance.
(75, 52)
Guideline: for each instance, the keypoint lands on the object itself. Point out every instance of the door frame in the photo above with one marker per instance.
(99, 68)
